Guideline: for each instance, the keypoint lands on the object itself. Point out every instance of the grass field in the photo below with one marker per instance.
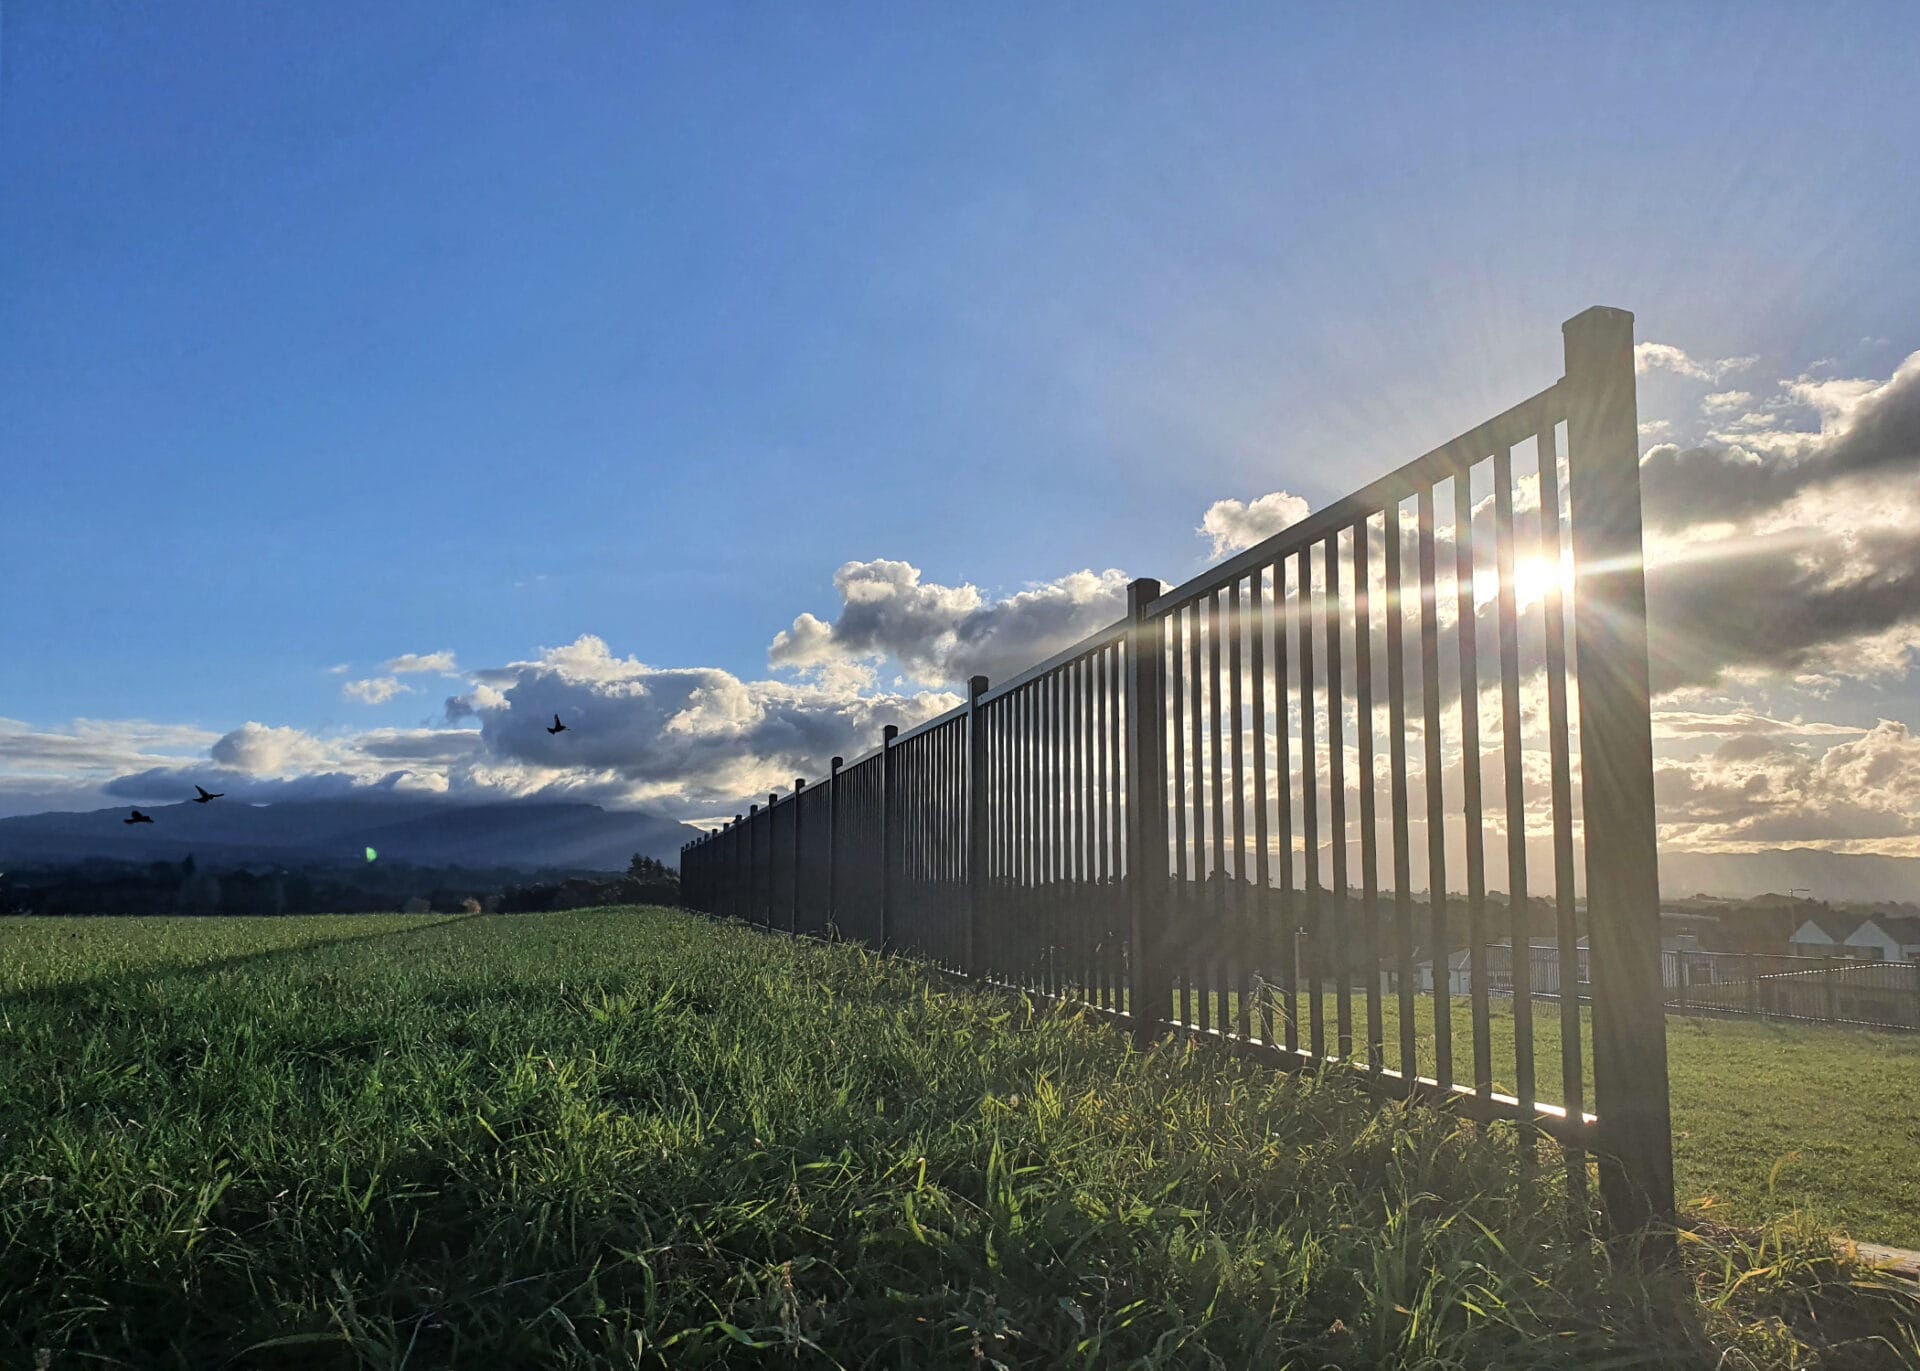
(1769, 1118)
(637, 1138)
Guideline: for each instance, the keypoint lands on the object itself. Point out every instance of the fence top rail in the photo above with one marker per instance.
(952, 716)
(1505, 430)
(1086, 647)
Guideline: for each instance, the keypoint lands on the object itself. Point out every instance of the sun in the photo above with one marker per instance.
(1533, 577)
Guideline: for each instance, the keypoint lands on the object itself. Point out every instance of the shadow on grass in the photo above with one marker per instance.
(89, 990)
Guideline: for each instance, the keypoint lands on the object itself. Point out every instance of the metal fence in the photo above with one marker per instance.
(1226, 813)
(1833, 990)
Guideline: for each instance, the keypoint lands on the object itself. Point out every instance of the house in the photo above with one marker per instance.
(1825, 935)
(1543, 969)
(1886, 938)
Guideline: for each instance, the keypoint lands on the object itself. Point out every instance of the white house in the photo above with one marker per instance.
(1886, 938)
(1825, 935)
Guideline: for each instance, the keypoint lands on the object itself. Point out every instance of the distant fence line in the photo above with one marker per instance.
(1138, 822)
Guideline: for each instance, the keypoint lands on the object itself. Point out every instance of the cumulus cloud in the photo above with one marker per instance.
(1792, 552)
(409, 662)
(375, 690)
(1866, 429)
(943, 634)
(1758, 790)
(256, 749)
(1666, 357)
(1722, 401)
(1234, 525)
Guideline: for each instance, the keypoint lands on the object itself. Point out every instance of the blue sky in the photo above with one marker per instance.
(337, 333)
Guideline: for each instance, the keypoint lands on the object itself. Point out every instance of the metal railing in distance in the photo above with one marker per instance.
(1297, 802)
(1825, 990)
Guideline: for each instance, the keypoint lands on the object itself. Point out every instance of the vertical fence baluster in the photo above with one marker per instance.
(1397, 766)
(1519, 920)
(1369, 833)
(1341, 939)
(1470, 764)
(889, 836)
(1281, 623)
(1239, 942)
(1431, 775)
(1218, 938)
(1261, 940)
(1310, 817)
(1177, 621)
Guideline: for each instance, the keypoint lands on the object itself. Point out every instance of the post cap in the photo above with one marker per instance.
(799, 784)
(839, 762)
(976, 687)
(1141, 593)
(890, 732)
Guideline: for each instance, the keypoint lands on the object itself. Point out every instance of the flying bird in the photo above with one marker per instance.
(558, 727)
(206, 795)
(138, 818)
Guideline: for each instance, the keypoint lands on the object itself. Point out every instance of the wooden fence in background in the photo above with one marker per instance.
(1247, 808)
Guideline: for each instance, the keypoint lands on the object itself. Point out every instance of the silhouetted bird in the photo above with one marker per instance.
(138, 818)
(205, 795)
(558, 727)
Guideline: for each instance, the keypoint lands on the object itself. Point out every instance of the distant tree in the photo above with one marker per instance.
(649, 869)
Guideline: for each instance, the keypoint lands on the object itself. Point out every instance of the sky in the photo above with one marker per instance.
(377, 381)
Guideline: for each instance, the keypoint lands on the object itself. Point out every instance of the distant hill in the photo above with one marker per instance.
(1836, 877)
(524, 835)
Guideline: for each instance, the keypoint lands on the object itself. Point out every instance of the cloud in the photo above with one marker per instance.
(375, 690)
(1666, 357)
(1740, 723)
(340, 669)
(1234, 525)
(1723, 400)
(943, 634)
(255, 749)
(1866, 429)
(1791, 552)
(483, 696)
(65, 767)
(408, 662)
(1757, 790)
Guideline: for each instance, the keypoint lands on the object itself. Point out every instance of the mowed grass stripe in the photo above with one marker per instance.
(615, 1138)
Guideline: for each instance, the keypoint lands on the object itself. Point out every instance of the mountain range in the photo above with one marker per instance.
(520, 835)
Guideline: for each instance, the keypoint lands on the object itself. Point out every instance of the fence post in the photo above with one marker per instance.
(752, 901)
(773, 799)
(1831, 984)
(1634, 1135)
(833, 844)
(977, 895)
(889, 823)
(793, 910)
(1753, 987)
(1149, 986)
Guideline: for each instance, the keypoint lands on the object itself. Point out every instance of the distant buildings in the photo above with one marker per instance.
(1875, 938)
